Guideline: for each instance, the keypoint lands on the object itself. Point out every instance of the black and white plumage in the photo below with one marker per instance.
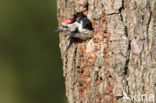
(81, 28)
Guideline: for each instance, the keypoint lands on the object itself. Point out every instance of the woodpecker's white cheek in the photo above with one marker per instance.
(80, 26)
(76, 23)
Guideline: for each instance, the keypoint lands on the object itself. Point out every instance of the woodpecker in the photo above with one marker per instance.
(81, 28)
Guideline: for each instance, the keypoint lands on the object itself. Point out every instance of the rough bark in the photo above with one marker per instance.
(121, 57)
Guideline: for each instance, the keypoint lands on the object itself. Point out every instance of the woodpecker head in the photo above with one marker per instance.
(64, 25)
(66, 22)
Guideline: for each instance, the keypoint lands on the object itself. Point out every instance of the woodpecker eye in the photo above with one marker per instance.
(66, 26)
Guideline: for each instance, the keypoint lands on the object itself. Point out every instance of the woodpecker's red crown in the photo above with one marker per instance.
(69, 21)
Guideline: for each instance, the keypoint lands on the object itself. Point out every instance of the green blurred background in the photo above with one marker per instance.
(30, 62)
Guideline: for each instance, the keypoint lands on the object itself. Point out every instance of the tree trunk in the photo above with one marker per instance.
(118, 65)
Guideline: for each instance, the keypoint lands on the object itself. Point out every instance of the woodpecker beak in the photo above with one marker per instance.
(64, 23)
(58, 30)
